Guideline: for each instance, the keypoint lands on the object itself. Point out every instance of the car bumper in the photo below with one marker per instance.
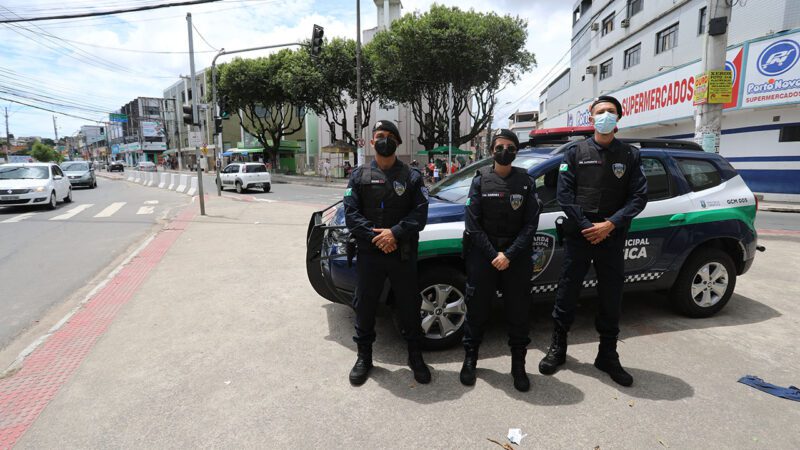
(81, 182)
(32, 198)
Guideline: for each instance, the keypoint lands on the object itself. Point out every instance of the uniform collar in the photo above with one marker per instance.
(612, 145)
(397, 163)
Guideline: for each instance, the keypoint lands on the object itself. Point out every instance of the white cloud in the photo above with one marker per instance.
(73, 72)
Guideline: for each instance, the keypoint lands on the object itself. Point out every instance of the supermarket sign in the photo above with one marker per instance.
(773, 72)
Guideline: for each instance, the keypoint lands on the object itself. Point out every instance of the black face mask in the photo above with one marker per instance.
(386, 146)
(504, 157)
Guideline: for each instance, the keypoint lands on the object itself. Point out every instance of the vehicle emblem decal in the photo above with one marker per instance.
(703, 203)
(399, 188)
(543, 245)
(619, 169)
(516, 201)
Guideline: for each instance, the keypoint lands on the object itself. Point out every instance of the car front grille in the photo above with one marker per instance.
(13, 191)
(14, 202)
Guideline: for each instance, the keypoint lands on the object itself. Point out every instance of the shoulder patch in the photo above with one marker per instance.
(469, 200)
(348, 192)
(564, 167)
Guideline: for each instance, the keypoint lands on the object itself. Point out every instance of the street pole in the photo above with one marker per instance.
(55, 129)
(359, 130)
(195, 118)
(178, 129)
(217, 113)
(449, 127)
(708, 116)
(8, 140)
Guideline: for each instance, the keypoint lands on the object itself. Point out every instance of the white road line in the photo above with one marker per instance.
(146, 210)
(151, 202)
(73, 212)
(18, 218)
(111, 209)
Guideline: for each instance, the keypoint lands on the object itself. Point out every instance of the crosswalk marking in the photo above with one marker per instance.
(151, 202)
(73, 212)
(111, 209)
(18, 218)
(146, 210)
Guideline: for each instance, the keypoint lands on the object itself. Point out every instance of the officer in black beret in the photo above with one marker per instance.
(601, 188)
(502, 214)
(386, 206)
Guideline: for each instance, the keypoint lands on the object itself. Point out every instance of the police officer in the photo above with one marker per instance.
(601, 188)
(502, 213)
(386, 206)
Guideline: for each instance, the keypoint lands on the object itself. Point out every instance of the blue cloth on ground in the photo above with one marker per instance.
(791, 393)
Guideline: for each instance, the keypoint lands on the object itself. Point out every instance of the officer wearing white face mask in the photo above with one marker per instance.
(601, 188)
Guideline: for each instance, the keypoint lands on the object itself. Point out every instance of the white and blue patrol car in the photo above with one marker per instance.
(693, 239)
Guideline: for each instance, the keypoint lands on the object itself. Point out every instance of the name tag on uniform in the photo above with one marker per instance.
(378, 181)
(589, 162)
(493, 194)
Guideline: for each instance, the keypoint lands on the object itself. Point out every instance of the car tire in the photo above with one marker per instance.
(94, 184)
(444, 307)
(266, 187)
(53, 201)
(239, 188)
(68, 198)
(705, 283)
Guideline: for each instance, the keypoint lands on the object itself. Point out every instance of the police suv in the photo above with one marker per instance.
(693, 239)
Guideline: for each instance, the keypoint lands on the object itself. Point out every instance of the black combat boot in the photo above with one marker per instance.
(608, 361)
(467, 375)
(421, 372)
(556, 354)
(521, 381)
(360, 371)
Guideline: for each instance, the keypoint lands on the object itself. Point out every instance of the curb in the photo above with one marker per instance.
(786, 209)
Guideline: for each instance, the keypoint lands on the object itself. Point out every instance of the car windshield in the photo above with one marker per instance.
(24, 173)
(455, 188)
(75, 167)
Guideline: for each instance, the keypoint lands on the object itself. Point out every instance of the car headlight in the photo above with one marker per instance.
(38, 189)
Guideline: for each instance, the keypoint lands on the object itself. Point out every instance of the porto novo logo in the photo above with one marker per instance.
(778, 58)
(730, 67)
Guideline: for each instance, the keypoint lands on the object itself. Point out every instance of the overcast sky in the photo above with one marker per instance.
(96, 63)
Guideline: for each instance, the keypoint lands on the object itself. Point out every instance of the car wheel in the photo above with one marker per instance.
(239, 188)
(94, 184)
(53, 201)
(705, 284)
(68, 198)
(266, 187)
(444, 307)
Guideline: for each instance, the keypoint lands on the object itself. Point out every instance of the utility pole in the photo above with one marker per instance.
(55, 129)
(708, 116)
(8, 140)
(359, 130)
(449, 126)
(195, 118)
(178, 129)
(218, 113)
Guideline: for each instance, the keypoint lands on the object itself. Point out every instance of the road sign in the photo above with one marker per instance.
(121, 118)
(195, 139)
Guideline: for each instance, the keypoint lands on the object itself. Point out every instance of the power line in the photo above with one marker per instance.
(48, 110)
(108, 13)
(204, 39)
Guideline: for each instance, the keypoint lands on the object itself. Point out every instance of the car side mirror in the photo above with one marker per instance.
(58, 177)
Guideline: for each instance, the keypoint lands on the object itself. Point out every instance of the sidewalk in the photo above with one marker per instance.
(779, 207)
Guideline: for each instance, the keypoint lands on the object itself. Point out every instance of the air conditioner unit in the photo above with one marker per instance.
(625, 23)
(595, 26)
(591, 70)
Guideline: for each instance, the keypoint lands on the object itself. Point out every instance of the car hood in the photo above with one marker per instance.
(21, 184)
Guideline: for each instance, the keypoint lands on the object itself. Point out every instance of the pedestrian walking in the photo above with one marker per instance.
(502, 214)
(386, 206)
(601, 188)
(326, 169)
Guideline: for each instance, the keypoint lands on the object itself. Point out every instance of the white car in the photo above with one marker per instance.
(33, 184)
(244, 176)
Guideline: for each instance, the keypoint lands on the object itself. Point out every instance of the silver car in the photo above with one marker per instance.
(80, 173)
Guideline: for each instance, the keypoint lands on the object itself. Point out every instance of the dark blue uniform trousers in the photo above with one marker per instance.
(483, 281)
(373, 268)
(609, 266)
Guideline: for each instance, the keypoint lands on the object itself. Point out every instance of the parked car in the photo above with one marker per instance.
(116, 166)
(244, 176)
(80, 173)
(693, 240)
(146, 166)
(33, 184)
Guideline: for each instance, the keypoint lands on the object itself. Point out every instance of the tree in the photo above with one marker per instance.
(49, 142)
(262, 92)
(421, 55)
(328, 84)
(44, 153)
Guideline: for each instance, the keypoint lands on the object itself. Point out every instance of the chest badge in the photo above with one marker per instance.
(619, 169)
(516, 201)
(399, 188)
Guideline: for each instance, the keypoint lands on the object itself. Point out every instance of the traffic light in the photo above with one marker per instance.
(188, 115)
(217, 125)
(316, 40)
(223, 108)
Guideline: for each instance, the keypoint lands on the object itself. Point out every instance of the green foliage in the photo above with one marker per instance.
(416, 60)
(45, 153)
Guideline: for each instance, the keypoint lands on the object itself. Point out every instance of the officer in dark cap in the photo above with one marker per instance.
(502, 213)
(386, 206)
(601, 188)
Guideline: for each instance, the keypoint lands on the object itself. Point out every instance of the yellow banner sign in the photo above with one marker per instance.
(700, 89)
(720, 86)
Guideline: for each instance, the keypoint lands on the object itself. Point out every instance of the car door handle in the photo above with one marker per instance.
(677, 218)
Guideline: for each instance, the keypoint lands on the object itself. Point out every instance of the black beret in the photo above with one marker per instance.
(609, 99)
(387, 125)
(507, 134)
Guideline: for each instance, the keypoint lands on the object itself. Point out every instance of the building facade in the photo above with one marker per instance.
(522, 123)
(647, 54)
(144, 133)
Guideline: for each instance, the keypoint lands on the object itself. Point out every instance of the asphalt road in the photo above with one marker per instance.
(768, 220)
(283, 192)
(46, 257)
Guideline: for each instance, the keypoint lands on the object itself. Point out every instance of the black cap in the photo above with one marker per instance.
(387, 125)
(507, 134)
(609, 99)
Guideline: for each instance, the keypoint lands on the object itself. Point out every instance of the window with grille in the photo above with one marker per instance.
(633, 56)
(667, 39)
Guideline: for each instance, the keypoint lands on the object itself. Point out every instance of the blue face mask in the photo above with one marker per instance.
(605, 123)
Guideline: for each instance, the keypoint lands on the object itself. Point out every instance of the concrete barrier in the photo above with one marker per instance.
(163, 181)
(139, 178)
(131, 175)
(173, 181)
(182, 184)
(193, 188)
(149, 179)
